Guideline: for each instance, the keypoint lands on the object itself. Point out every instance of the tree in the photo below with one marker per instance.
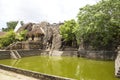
(67, 31)
(11, 37)
(10, 26)
(99, 24)
(7, 39)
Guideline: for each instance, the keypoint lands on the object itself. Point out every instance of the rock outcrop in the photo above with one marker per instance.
(44, 32)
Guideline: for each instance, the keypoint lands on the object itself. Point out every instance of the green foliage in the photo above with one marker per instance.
(22, 23)
(7, 39)
(21, 36)
(11, 37)
(67, 30)
(99, 24)
(10, 26)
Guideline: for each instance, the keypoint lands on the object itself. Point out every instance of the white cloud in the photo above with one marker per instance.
(40, 10)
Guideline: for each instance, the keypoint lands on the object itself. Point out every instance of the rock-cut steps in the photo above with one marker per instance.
(14, 54)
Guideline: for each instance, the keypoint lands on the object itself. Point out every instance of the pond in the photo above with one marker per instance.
(71, 67)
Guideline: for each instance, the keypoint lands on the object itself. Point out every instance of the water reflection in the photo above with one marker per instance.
(15, 62)
(72, 67)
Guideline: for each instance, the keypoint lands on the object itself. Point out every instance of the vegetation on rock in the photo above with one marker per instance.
(7, 39)
(11, 37)
(21, 35)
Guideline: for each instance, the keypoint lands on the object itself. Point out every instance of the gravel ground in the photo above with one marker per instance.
(7, 75)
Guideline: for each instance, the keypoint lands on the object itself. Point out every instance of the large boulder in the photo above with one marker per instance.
(56, 42)
(27, 27)
(52, 37)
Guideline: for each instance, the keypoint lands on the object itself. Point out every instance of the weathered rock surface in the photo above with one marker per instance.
(49, 33)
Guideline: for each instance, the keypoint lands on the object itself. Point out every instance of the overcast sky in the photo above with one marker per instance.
(53, 11)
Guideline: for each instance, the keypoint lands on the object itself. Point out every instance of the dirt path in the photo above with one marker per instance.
(7, 75)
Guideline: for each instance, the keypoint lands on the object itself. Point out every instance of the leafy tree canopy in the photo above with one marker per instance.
(10, 26)
(7, 39)
(67, 30)
(11, 37)
(99, 24)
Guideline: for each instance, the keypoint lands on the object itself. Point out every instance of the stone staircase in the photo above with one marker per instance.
(117, 65)
(14, 54)
(10, 46)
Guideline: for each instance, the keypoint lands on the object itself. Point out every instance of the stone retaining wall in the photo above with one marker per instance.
(63, 53)
(23, 53)
(5, 55)
(100, 55)
(37, 75)
(26, 53)
(69, 53)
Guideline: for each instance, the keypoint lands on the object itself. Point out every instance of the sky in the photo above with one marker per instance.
(53, 11)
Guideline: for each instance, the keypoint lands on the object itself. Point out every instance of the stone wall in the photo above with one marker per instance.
(100, 55)
(63, 53)
(25, 45)
(23, 53)
(69, 53)
(26, 53)
(5, 55)
(34, 74)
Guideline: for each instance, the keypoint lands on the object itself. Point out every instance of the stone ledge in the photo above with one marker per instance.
(5, 55)
(98, 55)
(23, 53)
(34, 74)
(8, 75)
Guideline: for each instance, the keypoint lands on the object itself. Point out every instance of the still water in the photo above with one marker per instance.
(72, 67)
